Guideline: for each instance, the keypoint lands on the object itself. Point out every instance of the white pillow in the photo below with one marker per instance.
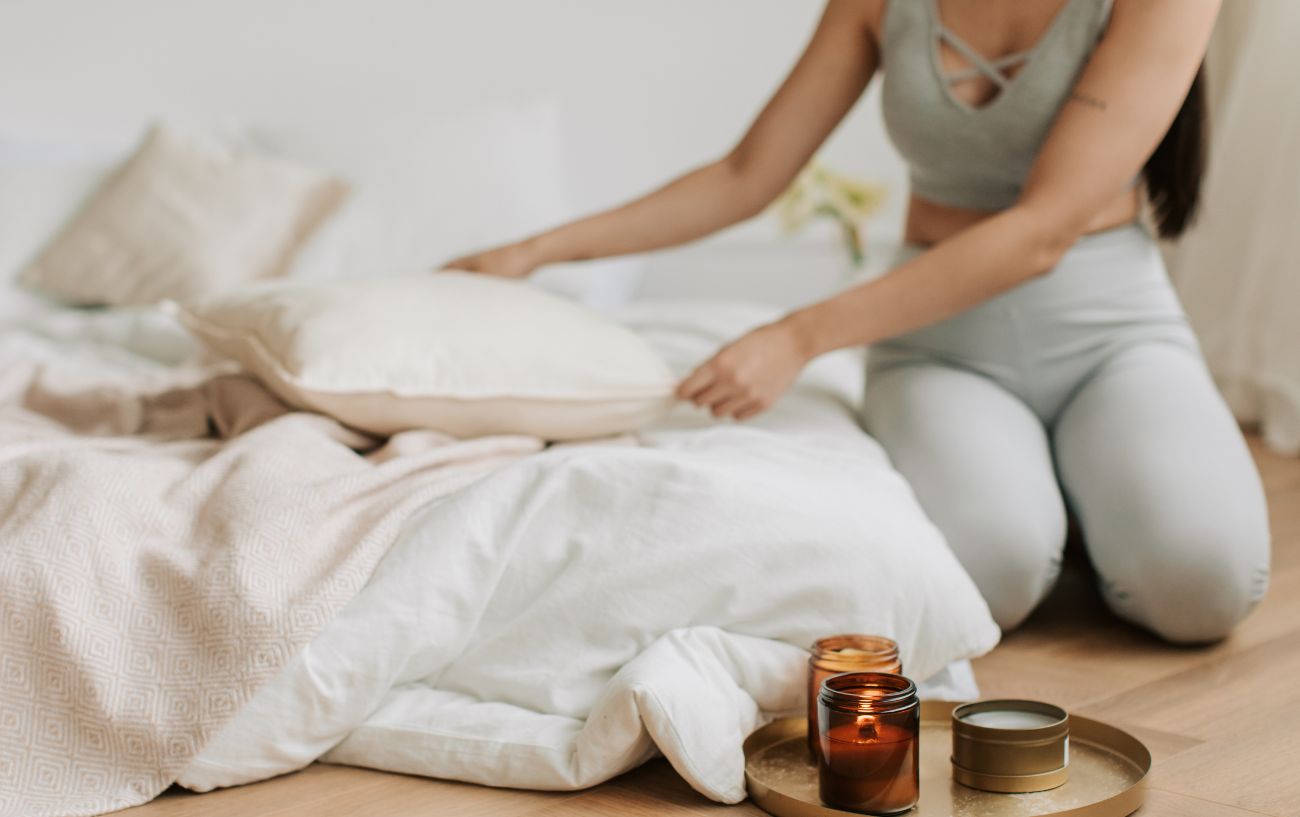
(464, 354)
(428, 192)
(180, 219)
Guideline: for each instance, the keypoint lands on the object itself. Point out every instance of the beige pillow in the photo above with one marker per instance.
(465, 354)
(181, 219)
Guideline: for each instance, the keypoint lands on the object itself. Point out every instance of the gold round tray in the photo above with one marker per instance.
(1108, 772)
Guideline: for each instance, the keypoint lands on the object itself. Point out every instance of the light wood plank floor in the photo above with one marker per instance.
(1223, 722)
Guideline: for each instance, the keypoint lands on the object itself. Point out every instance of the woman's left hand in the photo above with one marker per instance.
(749, 375)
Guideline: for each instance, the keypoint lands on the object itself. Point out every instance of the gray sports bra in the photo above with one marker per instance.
(964, 156)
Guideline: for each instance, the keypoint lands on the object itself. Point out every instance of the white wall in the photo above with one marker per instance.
(650, 88)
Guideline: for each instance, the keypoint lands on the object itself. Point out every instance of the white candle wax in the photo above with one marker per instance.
(1009, 719)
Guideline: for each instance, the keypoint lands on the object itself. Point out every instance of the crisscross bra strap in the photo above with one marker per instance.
(994, 70)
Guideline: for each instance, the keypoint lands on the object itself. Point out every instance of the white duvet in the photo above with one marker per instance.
(572, 615)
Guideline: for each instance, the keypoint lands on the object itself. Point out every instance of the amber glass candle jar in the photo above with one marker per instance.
(845, 653)
(869, 728)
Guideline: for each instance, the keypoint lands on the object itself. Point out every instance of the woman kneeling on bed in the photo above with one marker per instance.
(1027, 347)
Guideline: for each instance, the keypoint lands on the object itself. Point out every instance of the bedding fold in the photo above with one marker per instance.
(169, 541)
(564, 619)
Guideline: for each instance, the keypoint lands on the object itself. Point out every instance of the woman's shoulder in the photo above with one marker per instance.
(875, 13)
(865, 11)
(870, 14)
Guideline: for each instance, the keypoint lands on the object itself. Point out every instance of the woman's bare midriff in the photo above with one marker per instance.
(929, 222)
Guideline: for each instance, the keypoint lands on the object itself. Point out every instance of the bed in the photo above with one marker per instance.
(201, 586)
(586, 606)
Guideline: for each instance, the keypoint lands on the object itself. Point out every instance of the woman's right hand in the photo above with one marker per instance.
(510, 261)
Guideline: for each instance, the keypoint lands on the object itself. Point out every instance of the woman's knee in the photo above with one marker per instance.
(1013, 558)
(1193, 579)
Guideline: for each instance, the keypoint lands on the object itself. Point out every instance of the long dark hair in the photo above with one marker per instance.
(1174, 172)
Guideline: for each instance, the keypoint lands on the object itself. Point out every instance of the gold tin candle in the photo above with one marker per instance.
(845, 653)
(1010, 746)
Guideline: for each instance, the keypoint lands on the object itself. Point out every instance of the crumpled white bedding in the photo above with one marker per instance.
(145, 333)
(577, 613)
(592, 606)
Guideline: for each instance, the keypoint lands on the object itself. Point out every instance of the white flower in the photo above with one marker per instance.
(819, 191)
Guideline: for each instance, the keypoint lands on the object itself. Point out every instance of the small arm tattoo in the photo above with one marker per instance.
(1089, 100)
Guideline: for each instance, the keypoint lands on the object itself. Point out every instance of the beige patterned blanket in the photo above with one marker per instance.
(164, 551)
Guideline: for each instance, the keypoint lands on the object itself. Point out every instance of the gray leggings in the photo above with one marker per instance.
(1086, 382)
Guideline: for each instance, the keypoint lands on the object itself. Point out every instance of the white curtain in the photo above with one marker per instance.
(1239, 270)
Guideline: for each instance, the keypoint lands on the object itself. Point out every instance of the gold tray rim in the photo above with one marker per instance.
(1084, 730)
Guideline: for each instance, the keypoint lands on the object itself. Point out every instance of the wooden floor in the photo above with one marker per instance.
(1223, 722)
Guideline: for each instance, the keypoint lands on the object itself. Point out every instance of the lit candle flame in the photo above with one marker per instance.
(867, 728)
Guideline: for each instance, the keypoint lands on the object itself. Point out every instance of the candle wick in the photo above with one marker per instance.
(867, 730)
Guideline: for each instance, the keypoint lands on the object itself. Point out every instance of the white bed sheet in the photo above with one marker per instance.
(143, 332)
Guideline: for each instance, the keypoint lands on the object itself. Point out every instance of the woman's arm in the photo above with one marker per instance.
(1121, 107)
(824, 85)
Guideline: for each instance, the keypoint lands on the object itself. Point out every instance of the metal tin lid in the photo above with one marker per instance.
(1010, 745)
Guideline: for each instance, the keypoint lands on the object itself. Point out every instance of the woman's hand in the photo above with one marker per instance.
(511, 261)
(749, 375)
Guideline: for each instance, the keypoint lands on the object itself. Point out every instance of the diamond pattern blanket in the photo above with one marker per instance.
(164, 550)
